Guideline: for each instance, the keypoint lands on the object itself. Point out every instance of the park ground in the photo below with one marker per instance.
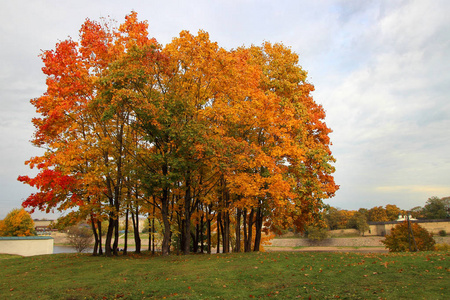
(348, 243)
(263, 275)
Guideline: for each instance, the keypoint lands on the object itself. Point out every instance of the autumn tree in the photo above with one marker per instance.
(417, 212)
(408, 236)
(335, 218)
(359, 222)
(17, 222)
(84, 165)
(199, 137)
(436, 208)
(365, 212)
(392, 212)
(296, 162)
(62, 130)
(378, 214)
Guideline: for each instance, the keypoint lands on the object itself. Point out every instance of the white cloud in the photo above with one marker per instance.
(430, 189)
(391, 115)
(380, 70)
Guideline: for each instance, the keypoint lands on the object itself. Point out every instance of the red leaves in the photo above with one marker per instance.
(49, 179)
(53, 186)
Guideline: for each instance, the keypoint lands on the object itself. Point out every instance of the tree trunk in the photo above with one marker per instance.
(201, 231)
(208, 233)
(94, 231)
(258, 226)
(180, 245)
(165, 217)
(116, 237)
(110, 231)
(118, 188)
(137, 238)
(99, 227)
(109, 234)
(187, 215)
(238, 231)
(149, 233)
(153, 231)
(248, 245)
(244, 220)
(225, 233)
(195, 239)
(125, 248)
(218, 231)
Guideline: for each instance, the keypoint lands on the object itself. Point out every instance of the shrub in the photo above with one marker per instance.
(400, 238)
(17, 223)
(442, 247)
(442, 233)
(314, 233)
(80, 237)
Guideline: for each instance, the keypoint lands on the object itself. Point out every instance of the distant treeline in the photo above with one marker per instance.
(435, 208)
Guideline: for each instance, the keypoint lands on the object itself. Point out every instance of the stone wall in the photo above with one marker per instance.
(45, 223)
(366, 241)
(433, 226)
(343, 233)
(330, 242)
(26, 246)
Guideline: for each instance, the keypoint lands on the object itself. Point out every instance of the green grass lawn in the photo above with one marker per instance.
(286, 275)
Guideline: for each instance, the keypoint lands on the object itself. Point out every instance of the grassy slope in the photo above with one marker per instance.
(228, 276)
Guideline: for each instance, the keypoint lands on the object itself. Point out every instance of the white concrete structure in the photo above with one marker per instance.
(402, 218)
(26, 246)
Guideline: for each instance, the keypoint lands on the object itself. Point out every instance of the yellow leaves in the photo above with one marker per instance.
(17, 222)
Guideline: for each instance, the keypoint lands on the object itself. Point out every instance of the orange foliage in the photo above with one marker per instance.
(378, 214)
(17, 223)
(129, 123)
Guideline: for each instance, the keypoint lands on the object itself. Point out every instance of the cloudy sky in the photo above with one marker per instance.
(381, 70)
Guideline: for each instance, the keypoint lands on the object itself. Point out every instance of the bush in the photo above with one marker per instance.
(442, 247)
(80, 237)
(442, 233)
(400, 239)
(316, 233)
(17, 223)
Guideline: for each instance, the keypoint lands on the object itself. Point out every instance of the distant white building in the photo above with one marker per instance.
(402, 218)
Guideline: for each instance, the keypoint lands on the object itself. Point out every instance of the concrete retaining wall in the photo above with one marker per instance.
(26, 246)
(433, 226)
(330, 242)
(343, 233)
(367, 241)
